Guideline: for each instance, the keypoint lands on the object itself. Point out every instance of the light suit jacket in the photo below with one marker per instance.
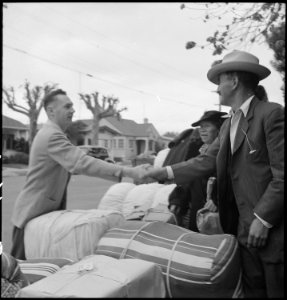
(52, 159)
(257, 178)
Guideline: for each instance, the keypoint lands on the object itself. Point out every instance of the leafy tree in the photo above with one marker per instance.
(171, 134)
(107, 108)
(76, 131)
(251, 22)
(33, 97)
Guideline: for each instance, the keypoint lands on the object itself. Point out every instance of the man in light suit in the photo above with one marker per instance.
(52, 159)
(248, 156)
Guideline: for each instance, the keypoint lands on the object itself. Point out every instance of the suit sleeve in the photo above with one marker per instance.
(75, 160)
(271, 205)
(197, 167)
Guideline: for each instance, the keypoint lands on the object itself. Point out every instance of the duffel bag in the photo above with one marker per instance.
(99, 276)
(70, 234)
(194, 265)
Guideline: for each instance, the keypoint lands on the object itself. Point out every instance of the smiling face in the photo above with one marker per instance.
(208, 132)
(61, 111)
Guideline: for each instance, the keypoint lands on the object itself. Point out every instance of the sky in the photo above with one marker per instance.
(133, 51)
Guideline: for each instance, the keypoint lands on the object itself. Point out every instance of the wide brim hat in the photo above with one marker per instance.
(210, 115)
(238, 61)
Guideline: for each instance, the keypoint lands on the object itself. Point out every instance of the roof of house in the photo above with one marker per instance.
(12, 123)
(128, 127)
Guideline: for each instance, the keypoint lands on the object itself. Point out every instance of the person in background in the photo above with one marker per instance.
(248, 157)
(193, 196)
(52, 159)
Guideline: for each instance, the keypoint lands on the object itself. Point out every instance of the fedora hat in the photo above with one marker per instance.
(238, 61)
(210, 115)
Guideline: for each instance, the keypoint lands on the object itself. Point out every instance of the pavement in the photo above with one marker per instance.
(9, 172)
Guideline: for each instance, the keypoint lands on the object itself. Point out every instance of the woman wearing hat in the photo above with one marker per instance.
(193, 195)
(248, 157)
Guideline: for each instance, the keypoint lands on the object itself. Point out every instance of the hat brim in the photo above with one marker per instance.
(213, 74)
(209, 118)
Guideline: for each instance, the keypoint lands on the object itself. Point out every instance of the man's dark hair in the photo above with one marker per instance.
(50, 97)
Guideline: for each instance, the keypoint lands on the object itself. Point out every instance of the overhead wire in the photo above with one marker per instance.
(98, 78)
(97, 46)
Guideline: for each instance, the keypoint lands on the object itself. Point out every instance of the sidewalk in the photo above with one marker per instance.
(14, 170)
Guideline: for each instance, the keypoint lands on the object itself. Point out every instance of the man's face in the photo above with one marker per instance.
(63, 111)
(224, 89)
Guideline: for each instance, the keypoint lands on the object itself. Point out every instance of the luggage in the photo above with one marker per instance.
(70, 234)
(39, 268)
(12, 278)
(194, 265)
(160, 213)
(114, 197)
(99, 276)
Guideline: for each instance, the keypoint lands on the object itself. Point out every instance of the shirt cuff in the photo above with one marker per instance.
(170, 174)
(266, 224)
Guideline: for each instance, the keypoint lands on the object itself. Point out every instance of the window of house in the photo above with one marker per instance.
(131, 143)
(114, 144)
(89, 142)
(121, 143)
(106, 143)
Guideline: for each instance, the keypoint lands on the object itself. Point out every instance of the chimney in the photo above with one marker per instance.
(145, 120)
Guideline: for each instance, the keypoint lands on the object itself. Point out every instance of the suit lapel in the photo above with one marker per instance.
(243, 125)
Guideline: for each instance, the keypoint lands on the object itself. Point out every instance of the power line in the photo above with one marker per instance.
(97, 46)
(96, 77)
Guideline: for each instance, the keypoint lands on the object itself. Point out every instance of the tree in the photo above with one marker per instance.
(250, 23)
(107, 108)
(33, 97)
(75, 131)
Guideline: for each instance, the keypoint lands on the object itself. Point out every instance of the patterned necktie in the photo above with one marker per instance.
(233, 127)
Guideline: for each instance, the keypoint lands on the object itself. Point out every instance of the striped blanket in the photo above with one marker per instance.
(193, 264)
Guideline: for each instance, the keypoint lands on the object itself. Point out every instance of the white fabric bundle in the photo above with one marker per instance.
(114, 197)
(140, 198)
(161, 196)
(99, 276)
(69, 234)
(160, 158)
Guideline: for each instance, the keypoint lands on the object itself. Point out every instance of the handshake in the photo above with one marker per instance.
(145, 173)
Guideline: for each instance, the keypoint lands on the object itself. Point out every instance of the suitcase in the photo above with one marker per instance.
(71, 234)
(99, 276)
(194, 265)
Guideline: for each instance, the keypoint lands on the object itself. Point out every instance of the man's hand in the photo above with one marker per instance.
(258, 234)
(138, 173)
(159, 174)
(210, 206)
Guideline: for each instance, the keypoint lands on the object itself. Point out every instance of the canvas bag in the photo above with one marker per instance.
(194, 265)
(208, 222)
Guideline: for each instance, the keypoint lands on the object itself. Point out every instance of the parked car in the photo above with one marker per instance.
(97, 152)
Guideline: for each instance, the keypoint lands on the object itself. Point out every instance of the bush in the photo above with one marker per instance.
(19, 158)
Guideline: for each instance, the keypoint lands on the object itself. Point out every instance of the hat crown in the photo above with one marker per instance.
(240, 56)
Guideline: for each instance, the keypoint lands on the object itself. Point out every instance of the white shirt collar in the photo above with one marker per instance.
(244, 107)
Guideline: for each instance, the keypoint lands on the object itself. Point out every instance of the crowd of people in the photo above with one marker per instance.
(244, 150)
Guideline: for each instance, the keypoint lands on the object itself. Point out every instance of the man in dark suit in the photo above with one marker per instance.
(248, 156)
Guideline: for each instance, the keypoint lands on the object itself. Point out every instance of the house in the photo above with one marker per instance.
(11, 130)
(124, 138)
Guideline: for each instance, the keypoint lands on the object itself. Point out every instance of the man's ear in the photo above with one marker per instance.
(235, 81)
(50, 111)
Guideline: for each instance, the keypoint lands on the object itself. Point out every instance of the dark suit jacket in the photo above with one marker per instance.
(257, 178)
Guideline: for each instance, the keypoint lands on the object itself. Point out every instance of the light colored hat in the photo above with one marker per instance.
(238, 61)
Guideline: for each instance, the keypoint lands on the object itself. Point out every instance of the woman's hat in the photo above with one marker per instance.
(238, 61)
(211, 115)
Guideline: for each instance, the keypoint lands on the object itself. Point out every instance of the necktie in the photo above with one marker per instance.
(233, 127)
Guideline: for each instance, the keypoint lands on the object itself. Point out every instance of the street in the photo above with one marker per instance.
(83, 193)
